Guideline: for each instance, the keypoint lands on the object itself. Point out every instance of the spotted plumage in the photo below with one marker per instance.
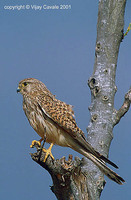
(45, 112)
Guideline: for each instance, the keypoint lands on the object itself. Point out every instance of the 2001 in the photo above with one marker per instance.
(64, 7)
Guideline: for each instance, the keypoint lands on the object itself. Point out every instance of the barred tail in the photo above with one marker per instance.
(106, 170)
(100, 160)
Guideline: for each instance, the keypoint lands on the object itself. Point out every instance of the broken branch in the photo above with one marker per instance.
(124, 108)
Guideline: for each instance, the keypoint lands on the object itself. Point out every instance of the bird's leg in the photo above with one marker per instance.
(39, 141)
(44, 140)
(48, 152)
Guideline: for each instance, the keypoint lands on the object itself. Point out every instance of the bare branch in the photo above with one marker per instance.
(124, 108)
(69, 182)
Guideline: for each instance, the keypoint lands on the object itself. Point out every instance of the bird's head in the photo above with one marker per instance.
(30, 85)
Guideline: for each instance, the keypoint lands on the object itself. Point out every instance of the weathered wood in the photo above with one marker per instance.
(110, 27)
(69, 182)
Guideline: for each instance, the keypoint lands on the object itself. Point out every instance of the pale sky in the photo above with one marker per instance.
(57, 47)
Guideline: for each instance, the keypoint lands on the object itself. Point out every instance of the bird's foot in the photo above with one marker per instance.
(48, 152)
(35, 142)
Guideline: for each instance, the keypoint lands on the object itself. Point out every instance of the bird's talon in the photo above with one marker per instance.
(35, 142)
(48, 152)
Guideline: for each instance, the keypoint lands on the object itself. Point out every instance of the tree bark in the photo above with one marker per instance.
(81, 179)
(102, 84)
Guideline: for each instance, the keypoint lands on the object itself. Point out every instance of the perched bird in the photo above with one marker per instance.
(45, 112)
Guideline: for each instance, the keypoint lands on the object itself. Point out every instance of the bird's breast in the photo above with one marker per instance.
(54, 133)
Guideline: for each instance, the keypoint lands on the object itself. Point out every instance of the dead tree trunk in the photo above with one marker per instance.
(81, 179)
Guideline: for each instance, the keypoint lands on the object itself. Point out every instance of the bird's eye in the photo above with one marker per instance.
(24, 84)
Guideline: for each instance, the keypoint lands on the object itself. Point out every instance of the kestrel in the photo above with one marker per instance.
(45, 112)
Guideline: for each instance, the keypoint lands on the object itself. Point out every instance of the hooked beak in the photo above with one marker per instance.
(18, 89)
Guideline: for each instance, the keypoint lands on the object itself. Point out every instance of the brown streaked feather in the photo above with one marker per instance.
(63, 115)
(60, 113)
(44, 110)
